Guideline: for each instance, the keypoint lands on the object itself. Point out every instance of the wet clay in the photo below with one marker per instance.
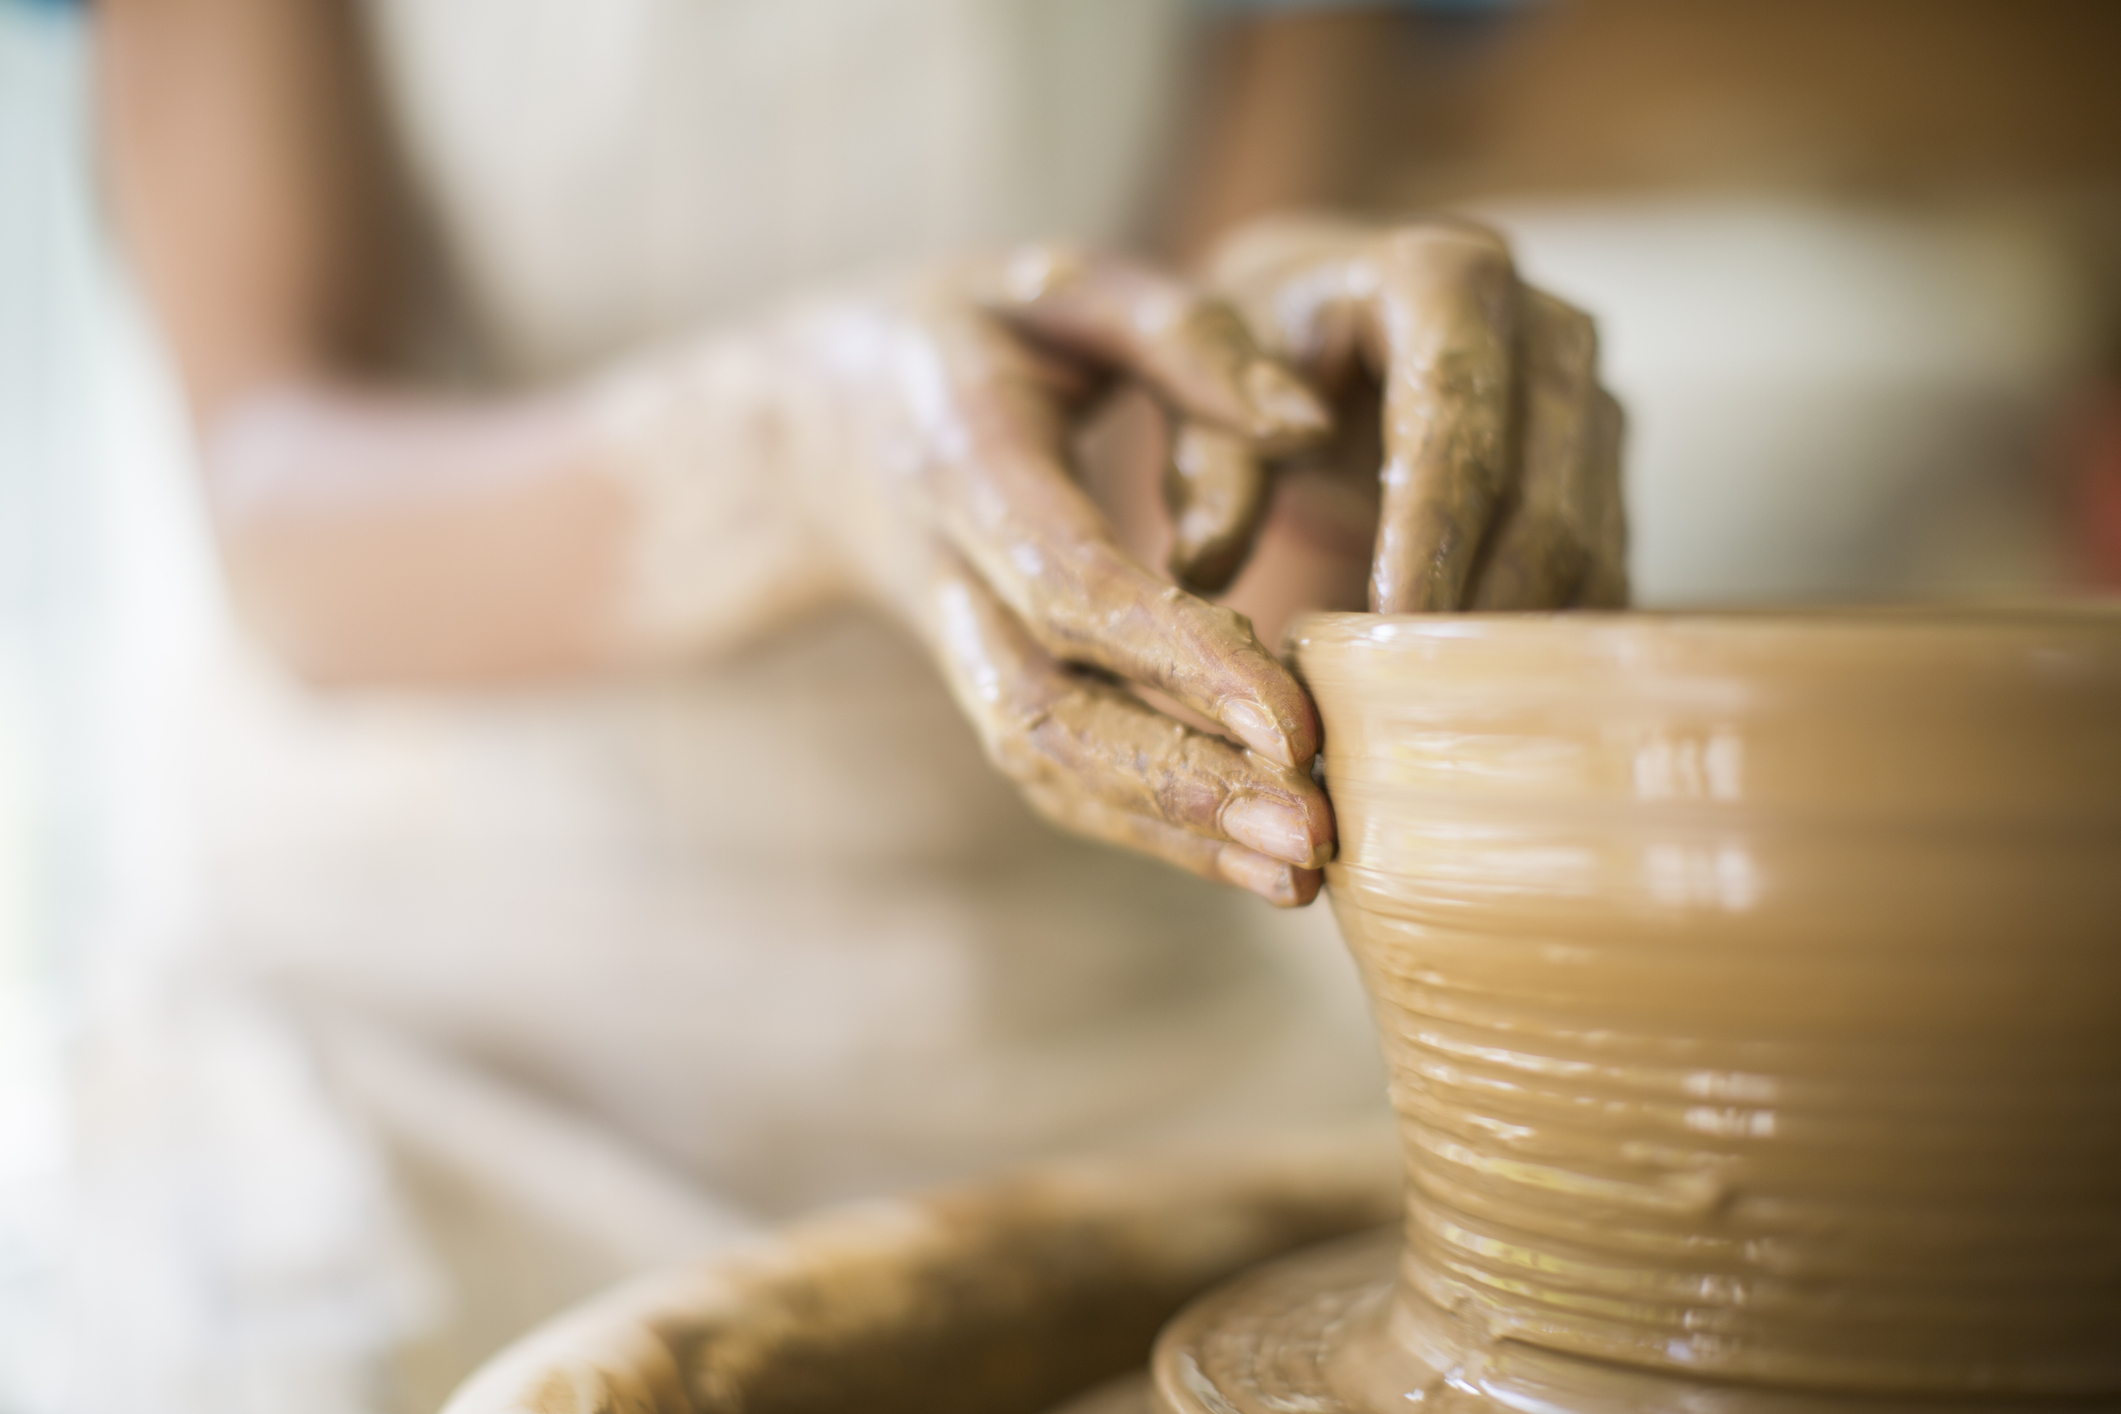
(906, 443)
(1010, 1295)
(909, 443)
(1500, 477)
(1750, 990)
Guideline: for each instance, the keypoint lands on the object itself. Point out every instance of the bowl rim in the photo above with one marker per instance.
(2092, 629)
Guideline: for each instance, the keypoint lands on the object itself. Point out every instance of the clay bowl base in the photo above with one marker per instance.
(1320, 1333)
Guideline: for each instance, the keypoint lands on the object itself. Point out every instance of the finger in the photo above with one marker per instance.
(1444, 326)
(1283, 885)
(1193, 349)
(1300, 281)
(1311, 314)
(1216, 490)
(1541, 547)
(1605, 585)
(1007, 503)
(1092, 605)
(1049, 729)
(1115, 747)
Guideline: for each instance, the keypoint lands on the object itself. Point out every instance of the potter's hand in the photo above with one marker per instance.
(924, 431)
(1476, 394)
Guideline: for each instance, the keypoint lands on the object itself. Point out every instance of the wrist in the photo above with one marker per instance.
(723, 544)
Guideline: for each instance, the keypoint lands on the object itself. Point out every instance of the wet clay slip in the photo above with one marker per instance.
(1751, 988)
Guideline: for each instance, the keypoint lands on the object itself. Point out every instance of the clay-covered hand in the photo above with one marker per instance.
(1471, 398)
(922, 431)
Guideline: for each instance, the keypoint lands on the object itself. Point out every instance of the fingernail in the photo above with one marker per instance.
(1281, 402)
(1273, 882)
(1273, 827)
(1255, 727)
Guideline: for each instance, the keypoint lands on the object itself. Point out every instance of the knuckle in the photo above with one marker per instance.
(1212, 635)
(1214, 621)
(1462, 245)
(1193, 788)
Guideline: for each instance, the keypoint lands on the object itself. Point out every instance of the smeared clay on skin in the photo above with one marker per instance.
(1500, 453)
(1216, 492)
(908, 443)
(1542, 553)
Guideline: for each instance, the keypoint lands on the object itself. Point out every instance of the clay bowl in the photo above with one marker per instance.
(1751, 987)
(1011, 1296)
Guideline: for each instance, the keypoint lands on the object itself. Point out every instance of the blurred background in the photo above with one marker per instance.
(98, 543)
(1857, 267)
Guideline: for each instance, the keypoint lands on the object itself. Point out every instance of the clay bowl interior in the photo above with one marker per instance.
(1014, 1295)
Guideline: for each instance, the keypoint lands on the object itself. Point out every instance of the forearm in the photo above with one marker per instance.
(1295, 111)
(373, 534)
(371, 530)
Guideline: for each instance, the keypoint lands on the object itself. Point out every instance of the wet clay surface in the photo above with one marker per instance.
(1749, 988)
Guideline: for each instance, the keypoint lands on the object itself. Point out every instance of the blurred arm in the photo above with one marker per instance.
(1295, 112)
(368, 532)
